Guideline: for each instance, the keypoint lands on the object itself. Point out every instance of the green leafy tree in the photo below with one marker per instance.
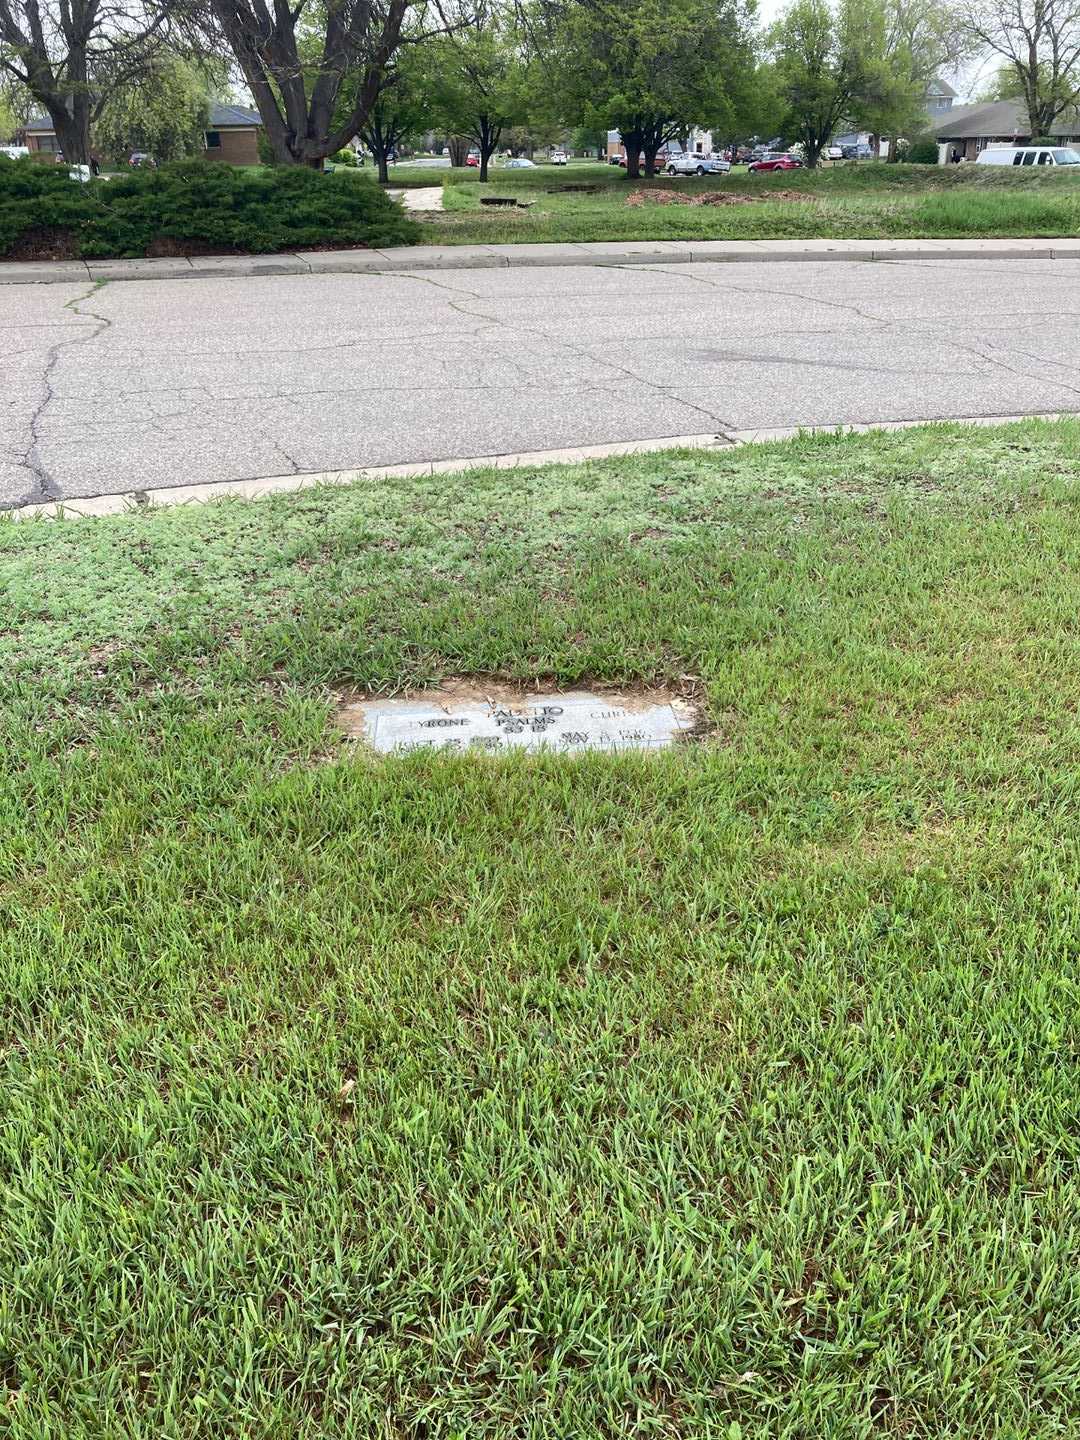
(1038, 41)
(921, 39)
(651, 69)
(300, 59)
(749, 107)
(74, 55)
(479, 88)
(166, 112)
(828, 67)
(402, 109)
(7, 117)
(584, 138)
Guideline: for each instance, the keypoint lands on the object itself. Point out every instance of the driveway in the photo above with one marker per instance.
(139, 385)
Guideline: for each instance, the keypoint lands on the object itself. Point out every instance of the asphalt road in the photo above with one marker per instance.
(139, 385)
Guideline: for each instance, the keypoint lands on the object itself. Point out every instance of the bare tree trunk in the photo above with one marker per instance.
(489, 139)
(72, 134)
(384, 172)
(631, 140)
(458, 145)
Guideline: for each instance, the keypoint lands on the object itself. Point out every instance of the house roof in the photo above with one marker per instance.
(222, 117)
(938, 86)
(995, 120)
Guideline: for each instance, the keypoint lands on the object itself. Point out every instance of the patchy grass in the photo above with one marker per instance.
(857, 200)
(724, 1092)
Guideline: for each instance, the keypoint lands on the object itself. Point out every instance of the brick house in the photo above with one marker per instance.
(233, 136)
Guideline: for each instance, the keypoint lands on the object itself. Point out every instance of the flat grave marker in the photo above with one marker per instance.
(464, 719)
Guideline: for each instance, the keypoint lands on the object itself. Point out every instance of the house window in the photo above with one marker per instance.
(213, 139)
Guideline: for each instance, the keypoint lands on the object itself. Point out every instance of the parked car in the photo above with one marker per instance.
(690, 164)
(140, 160)
(775, 162)
(1027, 155)
(559, 157)
(833, 152)
(519, 164)
(472, 161)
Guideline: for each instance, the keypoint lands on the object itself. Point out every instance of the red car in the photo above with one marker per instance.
(775, 162)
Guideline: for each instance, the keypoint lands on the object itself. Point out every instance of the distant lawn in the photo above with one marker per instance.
(854, 200)
(726, 1092)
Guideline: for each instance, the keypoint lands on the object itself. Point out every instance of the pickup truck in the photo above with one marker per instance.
(690, 164)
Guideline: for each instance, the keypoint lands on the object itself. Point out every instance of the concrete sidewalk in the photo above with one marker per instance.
(494, 257)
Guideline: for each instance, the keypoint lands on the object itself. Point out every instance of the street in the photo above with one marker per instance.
(139, 385)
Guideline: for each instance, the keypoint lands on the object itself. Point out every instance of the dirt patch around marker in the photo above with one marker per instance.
(637, 198)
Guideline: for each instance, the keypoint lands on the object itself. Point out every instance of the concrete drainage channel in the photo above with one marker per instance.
(257, 488)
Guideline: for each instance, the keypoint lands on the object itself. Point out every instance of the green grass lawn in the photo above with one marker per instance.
(855, 200)
(724, 1092)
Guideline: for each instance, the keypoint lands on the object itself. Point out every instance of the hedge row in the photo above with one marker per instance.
(191, 206)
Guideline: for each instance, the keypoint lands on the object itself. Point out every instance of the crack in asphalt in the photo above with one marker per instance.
(683, 274)
(174, 407)
(969, 348)
(494, 323)
(45, 486)
(293, 463)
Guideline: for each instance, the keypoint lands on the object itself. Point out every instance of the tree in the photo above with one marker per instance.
(1039, 42)
(298, 58)
(584, 138)
(922, 37)
(826, 66)
(403, 107)
(16, 104)
(165, 112)
(74, 55)
(480, 78)
(651, 69)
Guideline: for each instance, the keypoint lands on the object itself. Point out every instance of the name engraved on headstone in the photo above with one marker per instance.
(565, 723)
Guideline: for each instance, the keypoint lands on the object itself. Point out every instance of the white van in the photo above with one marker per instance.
(1027, 155)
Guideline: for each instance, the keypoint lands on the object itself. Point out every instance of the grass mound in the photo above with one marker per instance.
(190, 207)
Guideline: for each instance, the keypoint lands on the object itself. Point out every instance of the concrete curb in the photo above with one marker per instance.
(257, 489)
(495, 257)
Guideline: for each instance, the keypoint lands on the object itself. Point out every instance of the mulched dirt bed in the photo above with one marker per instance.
(43, 244)
(60, 245)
